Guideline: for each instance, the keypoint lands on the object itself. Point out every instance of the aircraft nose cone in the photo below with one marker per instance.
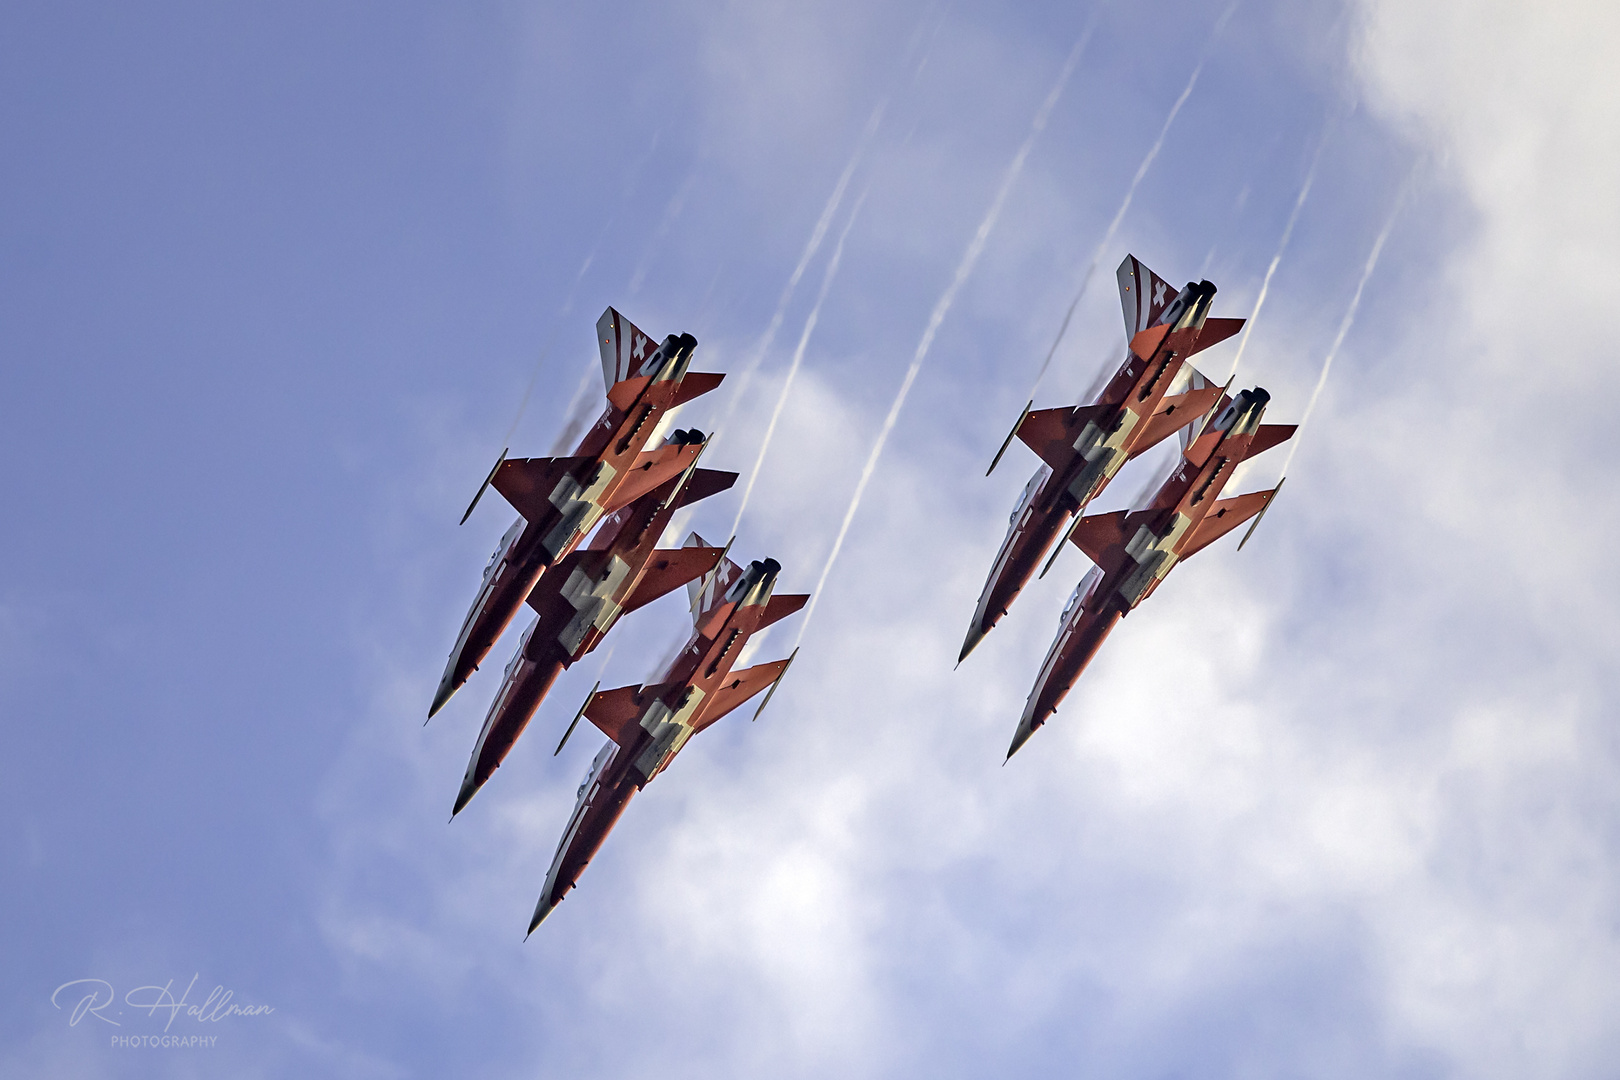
(975, 635)
(541, 910)
(1020, 737)
(468, 790)
(447, 687)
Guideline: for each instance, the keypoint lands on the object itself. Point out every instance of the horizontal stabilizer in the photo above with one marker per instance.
(617, 713)
(1268, 435)
(1174, 414)
(738, 688)
(1095, 534)
(668, 569)
(1148, 341)
(694, 384)
(1051, 433)
(650, 469)
(622, 395)
(1223, 517)
(704, 482)
(1214, 332)
(527, 483)
(780, 607)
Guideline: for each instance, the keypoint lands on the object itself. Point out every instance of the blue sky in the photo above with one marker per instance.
(273, 284)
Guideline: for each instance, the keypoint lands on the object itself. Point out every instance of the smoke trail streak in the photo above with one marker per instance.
(817, 235)
(672, 210)
(1130, 192)
(1349, 317)
(1282, 246)
(942, 308)
(568, 302)
(798, 356)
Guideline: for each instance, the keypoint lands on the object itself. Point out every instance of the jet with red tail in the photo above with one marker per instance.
(561, 498)
(581, 596)
(1134, 550)
(1083, 447)
(647, 725)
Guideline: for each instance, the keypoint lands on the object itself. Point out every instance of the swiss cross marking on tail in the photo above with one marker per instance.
(1158, 294)
(638, 349)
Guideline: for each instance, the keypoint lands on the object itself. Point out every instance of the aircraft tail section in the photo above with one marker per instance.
(1143, 295)
(704, 482)
(1223, 517)
(780, 606)
(1214, 332)
(629, 354)
(1175, 413)
(707, 591)
(651, 469)
(1268, 435)
(669, 569)
(695, 384)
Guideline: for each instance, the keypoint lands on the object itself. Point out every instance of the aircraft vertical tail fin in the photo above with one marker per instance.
(627, 353)
(1143, 295)
(708, 590)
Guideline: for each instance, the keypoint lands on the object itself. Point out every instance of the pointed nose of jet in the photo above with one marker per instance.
(447, 687)
(1020, 737)
(975, 635)
(468, 790)
(541, 910)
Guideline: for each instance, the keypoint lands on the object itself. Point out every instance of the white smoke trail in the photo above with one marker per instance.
(817, 235)
(1130, 193)
(672, 210)
(798, 357)
(1349, 317)
(628, 189)
(942, 308)
(1282, 246)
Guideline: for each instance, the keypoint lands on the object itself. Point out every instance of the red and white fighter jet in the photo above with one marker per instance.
(561, 498)
(581, 596)
(1084, 446)
(647, 725)
(1135, 549)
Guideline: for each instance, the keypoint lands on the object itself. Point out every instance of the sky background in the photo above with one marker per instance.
(273, 284)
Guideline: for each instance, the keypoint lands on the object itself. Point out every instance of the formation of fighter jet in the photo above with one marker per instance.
(584, 552)
(1155, 393)
(613, 484)
(1082, 447)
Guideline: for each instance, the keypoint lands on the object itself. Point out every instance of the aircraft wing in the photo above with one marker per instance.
(651, 468)
(738, 688)
(1051, 433)
(527, 483)
(616, 713)
(1095, 534)
(561, 570)
(1174, 414)
(668, 570)
(1223, 517)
